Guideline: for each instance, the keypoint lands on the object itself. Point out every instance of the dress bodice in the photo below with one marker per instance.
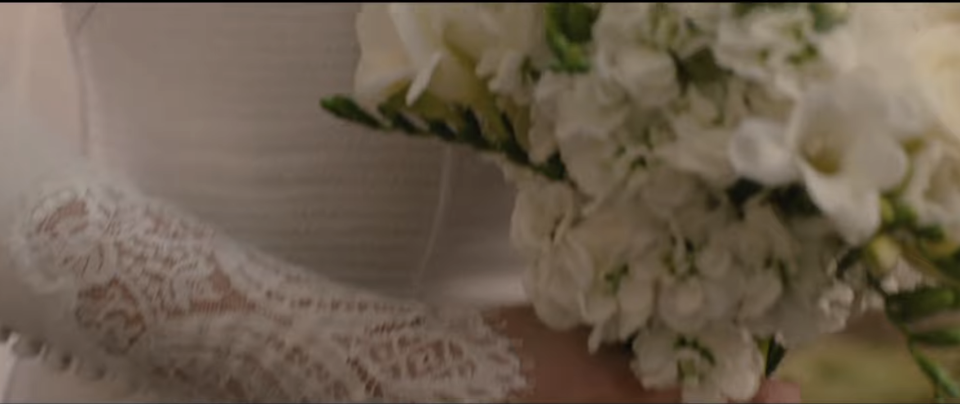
(215, 108)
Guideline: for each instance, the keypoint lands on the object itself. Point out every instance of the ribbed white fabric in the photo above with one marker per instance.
(214, 108)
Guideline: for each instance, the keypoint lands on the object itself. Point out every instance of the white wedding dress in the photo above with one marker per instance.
(212, 109)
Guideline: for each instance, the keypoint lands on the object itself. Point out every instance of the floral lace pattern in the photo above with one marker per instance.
(185, 306)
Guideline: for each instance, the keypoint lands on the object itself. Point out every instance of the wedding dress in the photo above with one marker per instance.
(205, 117)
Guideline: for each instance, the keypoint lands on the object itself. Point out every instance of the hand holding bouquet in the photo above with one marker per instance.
(713, 183)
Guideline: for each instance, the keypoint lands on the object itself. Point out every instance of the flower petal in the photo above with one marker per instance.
(855, 212)
(876, 163)
(636, 300)
(423, 78)
(655, 363)
(383, 68)
(758, 151)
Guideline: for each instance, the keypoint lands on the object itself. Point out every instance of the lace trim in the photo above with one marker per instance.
(159, 294)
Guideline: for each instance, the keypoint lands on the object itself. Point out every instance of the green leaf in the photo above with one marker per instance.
(945, 337)
(825, 17)
(398, 121)
(949, 267)
(775, 355)
(699, 68)
(742, 191)
(573, 20)
(794, 200)
(613, 278)
(897, 214)
(848, 260)
(921, 303)
(472, 131)
(942, 381)
(569, 29)
(442, 130)
(806, 54)
(346, 108)
(930, 233)
(554, 168)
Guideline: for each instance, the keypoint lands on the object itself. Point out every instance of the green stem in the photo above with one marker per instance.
(470, 135)
(775, 354)
(944, 386)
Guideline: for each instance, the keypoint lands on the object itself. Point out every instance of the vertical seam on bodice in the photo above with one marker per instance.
(73, 34)
(82, 20)
(439, 216)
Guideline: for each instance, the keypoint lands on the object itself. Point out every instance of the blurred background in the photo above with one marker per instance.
(868, 363)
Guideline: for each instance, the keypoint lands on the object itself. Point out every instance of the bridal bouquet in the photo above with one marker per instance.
(713, 183)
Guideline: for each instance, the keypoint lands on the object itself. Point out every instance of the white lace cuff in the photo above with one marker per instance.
(94, 270)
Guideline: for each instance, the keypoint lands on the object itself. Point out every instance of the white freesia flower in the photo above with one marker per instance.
(937, 70)
(838, 142)
(718, 365)
(405, 45)
(517, 29)
(934, 187)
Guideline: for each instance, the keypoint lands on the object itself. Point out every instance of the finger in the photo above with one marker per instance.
(776, 391)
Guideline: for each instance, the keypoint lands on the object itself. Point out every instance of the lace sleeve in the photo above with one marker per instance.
(148, 292)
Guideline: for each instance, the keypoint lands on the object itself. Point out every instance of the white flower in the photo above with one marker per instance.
(782, 48)
(406, 44)
(676, 27)
(590, 109)
(902, 278)
(729, 273)
(647, 75)
(666, 190)
(587, 276)
(762, 236)
(557, 283)
(934, 187)
(589, 118)
(517, 29)
(936, 64)
(621, 297)
(760, 243)
(812, 305)
(842, 145)
(701, 151)
(544, 114)
(620, 303)
(541, 212)
(720, 364)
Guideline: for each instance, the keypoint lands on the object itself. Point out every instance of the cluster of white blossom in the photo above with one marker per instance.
(719, 160)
